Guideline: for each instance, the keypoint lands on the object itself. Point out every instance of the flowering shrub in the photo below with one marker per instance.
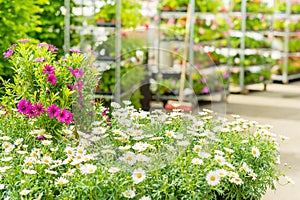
(140, 155)
(46, 88)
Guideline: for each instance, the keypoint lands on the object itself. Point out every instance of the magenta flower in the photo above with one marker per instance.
(41, 59)
(24, 40)
(78, 73)
(8, 53)
(39, 108)
(226, 75)
(41, 137)
(52, 79)
(48, 69)
(75, 50)
(62, 116)
(53, 111)
(50, 47)
(79, 85)
(203, 80)
(31, 111)
(205, 90)
(69, 117)
(71, 87)
(22, 106)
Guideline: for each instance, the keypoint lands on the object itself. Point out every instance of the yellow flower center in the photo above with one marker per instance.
(212, 178)
(139, 175)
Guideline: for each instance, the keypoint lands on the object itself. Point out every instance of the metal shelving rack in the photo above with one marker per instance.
(116, 95)
(190, 58)
(243, 50)
(285, 77)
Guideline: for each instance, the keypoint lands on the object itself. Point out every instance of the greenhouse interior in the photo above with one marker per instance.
(150, 99)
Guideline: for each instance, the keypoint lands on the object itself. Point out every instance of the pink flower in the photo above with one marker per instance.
(74, 50)
(205, 90)
(201, 31)
(78, 73)
(24, 40)
(53, 111)
(41, 59)
(48, 69)
(8, 53)
(52, 79)
(62, 116)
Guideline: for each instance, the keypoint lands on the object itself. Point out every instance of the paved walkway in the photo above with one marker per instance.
(279, 106)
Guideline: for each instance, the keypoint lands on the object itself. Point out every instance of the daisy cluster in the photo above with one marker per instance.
(134, 154)
(43, 162)
(219, 153)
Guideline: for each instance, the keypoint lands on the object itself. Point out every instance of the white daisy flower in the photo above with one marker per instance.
(212, 178)
(140, 146)
(170, 134)
(138, 175)
(29, 171)
(61, 181)
(129, 194)
(69, 151)
(51, 172)
(30, 161)
(237, 181)
(88, 168)
(220, 159)
(25, 192)
(113, 170)
(6, 159)
(197, 161)
(142, 158)
(197, 148)
(2, 186)
(70, 172)
(253, 175)
(255, 152)
(46, 142)
(18, 141)
(47, 160)
(124, 148)
(129, 158)
(219, 153)
(289, 180)
(183, 143)
(228, 150)
(221, 172)
(204, 155)
(21, 152)
(5, 138)
(145, 198)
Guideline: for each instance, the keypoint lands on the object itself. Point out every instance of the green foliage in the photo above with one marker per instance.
(18, 19)
(131, 16)
(51, 28)
(31, 80)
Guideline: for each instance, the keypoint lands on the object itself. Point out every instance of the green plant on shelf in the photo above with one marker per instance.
(279, 25)
(250, 77)
(280, 5)
(173, 29)
(250, 42)
(208, 31)
(171, 5)
(293, 66)
(209, 5)
(131, 75)
(132, 46)
(253, 23)
(131, 15)
(255, 6)
(250, 60)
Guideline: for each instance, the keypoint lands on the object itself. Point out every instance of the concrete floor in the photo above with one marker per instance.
(279, 106)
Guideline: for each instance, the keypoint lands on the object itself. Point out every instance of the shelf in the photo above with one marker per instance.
(284, 15)
(106, 59)
(258, 14)
(172, 14)
(277, 77)
(207, 97)
(106, 25)
(283, 33)
(252, 68)
(106, 95)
